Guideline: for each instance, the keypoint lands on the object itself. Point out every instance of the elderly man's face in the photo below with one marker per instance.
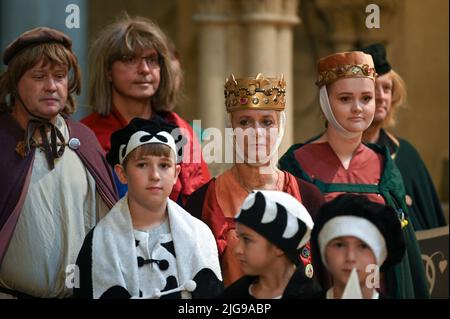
(43, 89)
(136, 77)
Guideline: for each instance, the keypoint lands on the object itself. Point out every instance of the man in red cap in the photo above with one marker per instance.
(54, 180)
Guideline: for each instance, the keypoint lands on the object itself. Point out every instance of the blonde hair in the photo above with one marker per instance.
(121, 38)
(398, 98)
(53, 53)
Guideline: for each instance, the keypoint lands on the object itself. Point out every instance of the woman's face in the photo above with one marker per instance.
(383, 97)
(256, 132)
(352, 101)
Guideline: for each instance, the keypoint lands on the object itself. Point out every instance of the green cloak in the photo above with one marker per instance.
(407, 279)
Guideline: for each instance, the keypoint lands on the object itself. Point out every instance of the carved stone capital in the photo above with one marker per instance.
(213, 11)
(269, 11)
(347, 19)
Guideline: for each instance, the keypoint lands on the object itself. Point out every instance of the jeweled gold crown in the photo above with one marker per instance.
(345, 65)
(259, 93)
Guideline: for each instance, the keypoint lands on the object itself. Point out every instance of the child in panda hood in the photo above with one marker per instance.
(272, 228)
(351, 232)
(147, 246)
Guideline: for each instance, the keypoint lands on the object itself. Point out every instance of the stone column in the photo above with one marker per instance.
(212, 17)
(243, 37)
(260, 18)
(342, 20)
(285, 60)
(269, 48)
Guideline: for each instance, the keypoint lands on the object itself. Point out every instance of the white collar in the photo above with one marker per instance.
(330, 294)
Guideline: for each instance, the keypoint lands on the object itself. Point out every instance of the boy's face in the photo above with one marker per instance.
(345, 253)
(150, 179)
(255, 253)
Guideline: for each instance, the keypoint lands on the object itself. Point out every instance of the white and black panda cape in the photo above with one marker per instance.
(107, 261)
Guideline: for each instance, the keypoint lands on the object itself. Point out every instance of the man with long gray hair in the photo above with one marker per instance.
(131, 76)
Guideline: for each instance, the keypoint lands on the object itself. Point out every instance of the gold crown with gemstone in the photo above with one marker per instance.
(258, 93)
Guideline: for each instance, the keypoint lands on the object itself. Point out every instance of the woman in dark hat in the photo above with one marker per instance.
(351, 232)
(425, 210)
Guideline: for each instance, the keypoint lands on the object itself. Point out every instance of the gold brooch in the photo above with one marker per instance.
(20, 149)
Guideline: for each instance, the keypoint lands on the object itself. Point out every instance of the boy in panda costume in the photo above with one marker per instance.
(147, 246)
(273, 227)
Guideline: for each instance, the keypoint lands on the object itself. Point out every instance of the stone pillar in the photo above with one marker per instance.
(260, 18)
(269, 48)
(243, 37)
(285, 59)
(341, 19)
(212, 17)
(236, 45)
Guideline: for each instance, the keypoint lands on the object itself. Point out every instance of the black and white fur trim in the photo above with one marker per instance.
(114, 255)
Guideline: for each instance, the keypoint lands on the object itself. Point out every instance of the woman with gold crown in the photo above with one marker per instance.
(338, 162)
(256, 115)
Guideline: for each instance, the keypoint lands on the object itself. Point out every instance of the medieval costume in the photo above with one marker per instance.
(371, 171)
(299, 287)
(424, 208)
(374, 224)
(283, 221)
(51, 195)
(175, 259)
(148, 92)
(217, 202)
(117, 261)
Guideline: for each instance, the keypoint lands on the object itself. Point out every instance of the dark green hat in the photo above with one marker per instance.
(378, 53)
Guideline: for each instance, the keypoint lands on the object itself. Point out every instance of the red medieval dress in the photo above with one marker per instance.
(370, 172)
